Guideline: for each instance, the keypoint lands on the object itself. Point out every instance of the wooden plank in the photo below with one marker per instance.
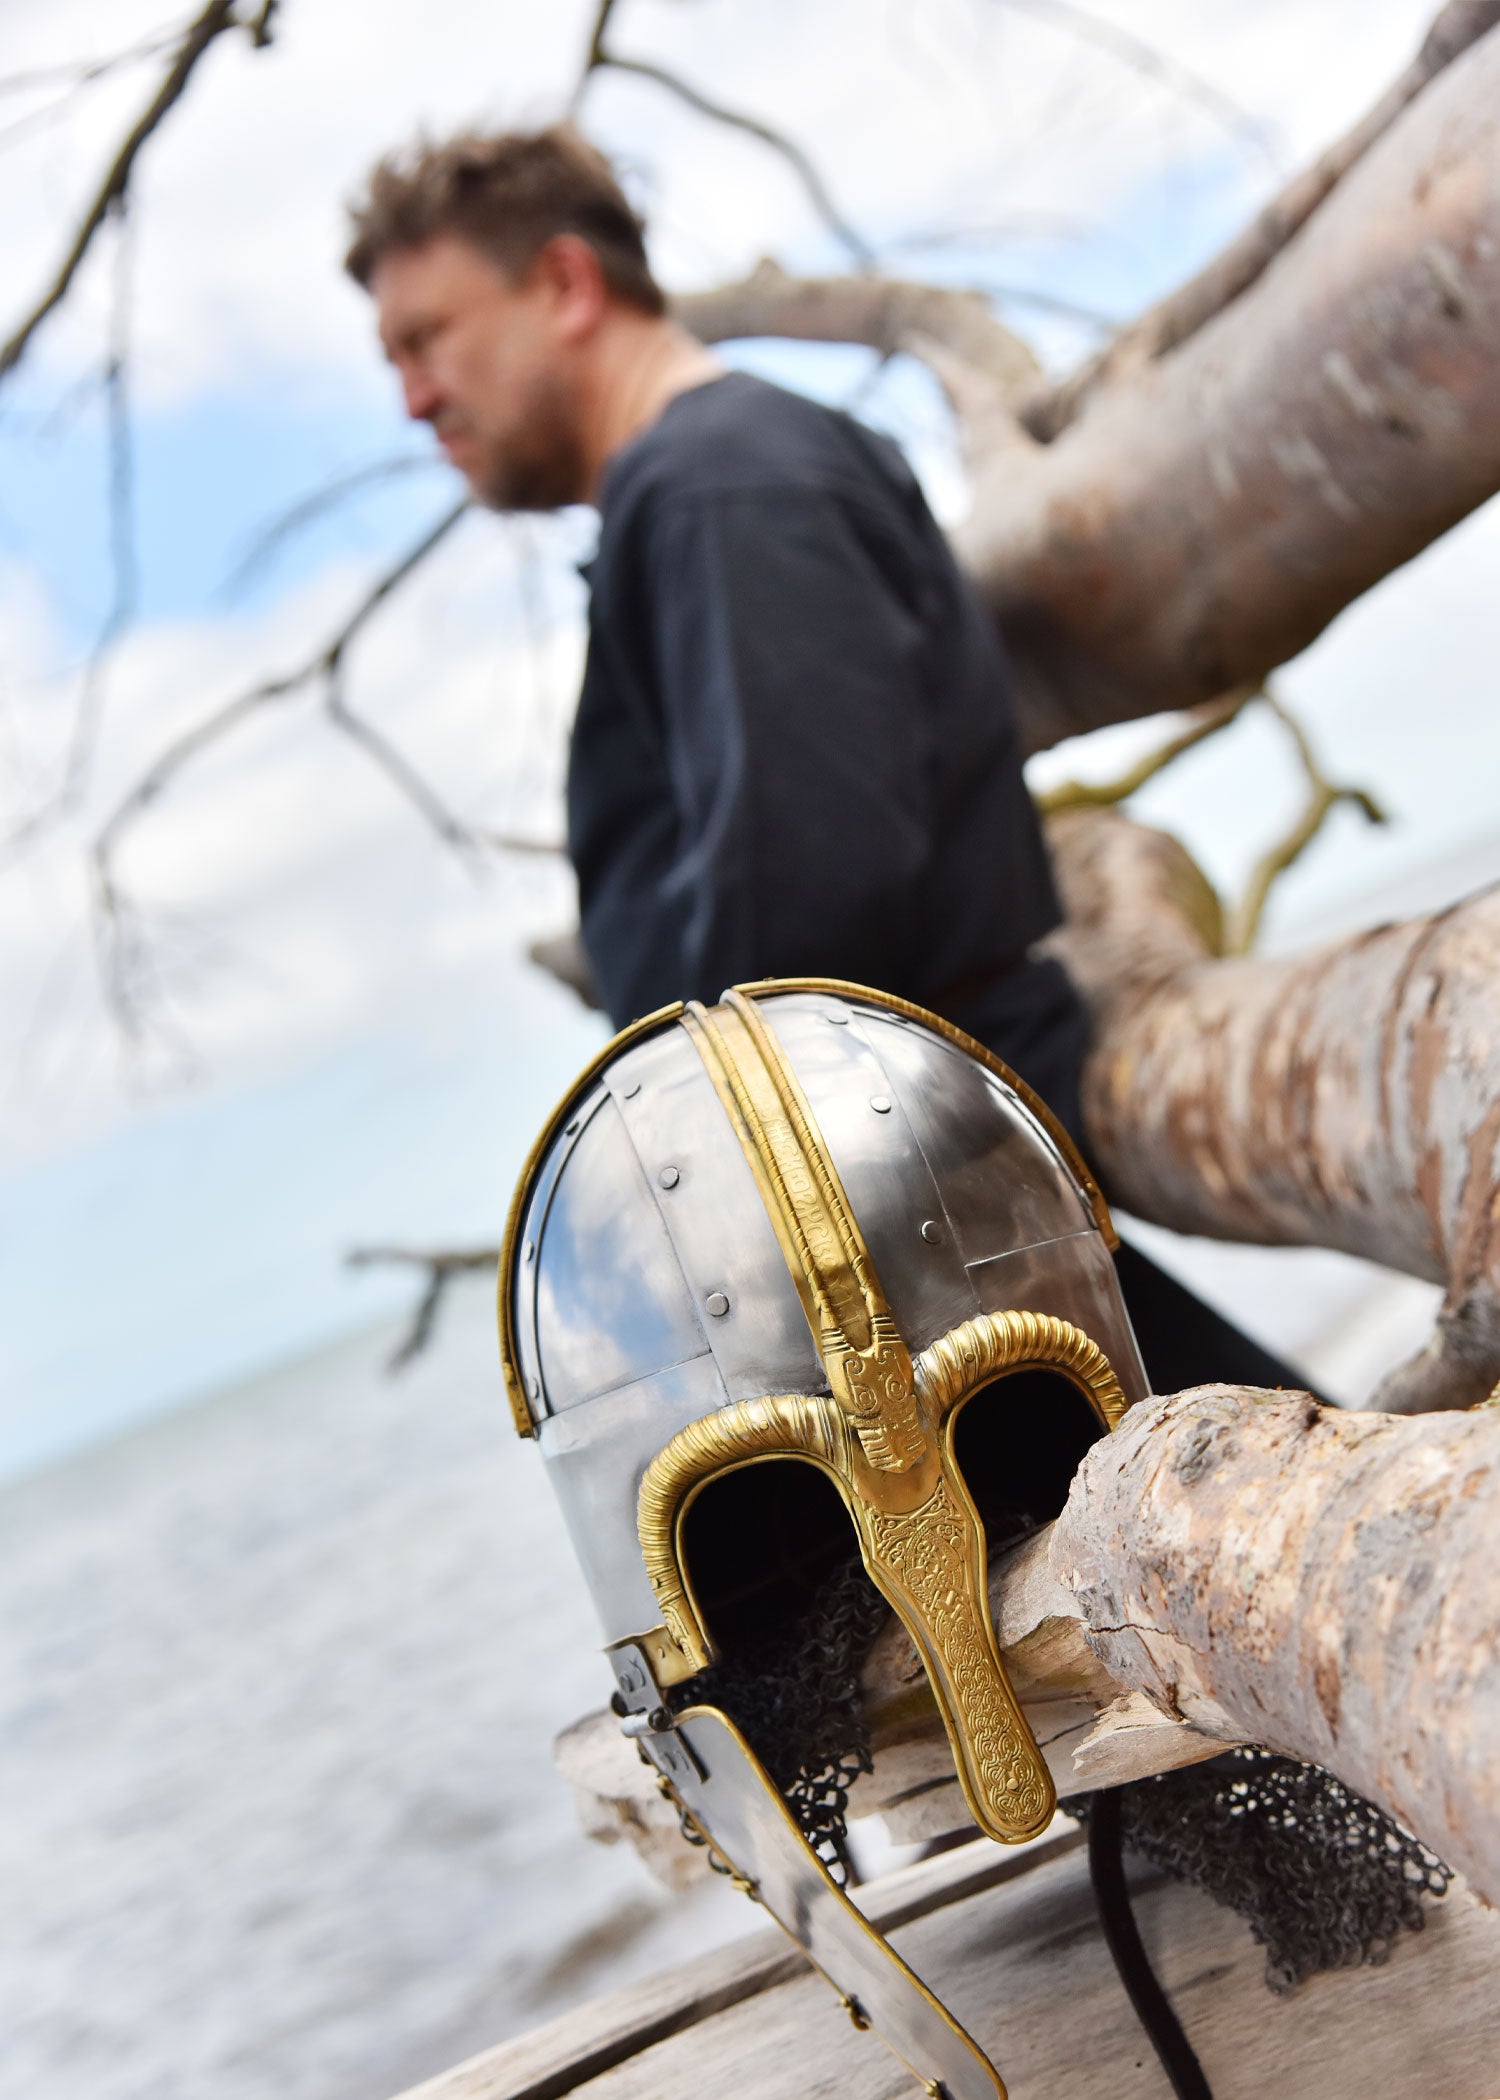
(1021, 1961)
(580, 2045)
(1026, 1969)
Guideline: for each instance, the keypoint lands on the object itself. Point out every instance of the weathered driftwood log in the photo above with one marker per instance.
(1047, 409)
(1260, 1568)
(1348, 1098)
(1247, 469)
(1231, 1566)
(1204, 521)
(1090, 1731)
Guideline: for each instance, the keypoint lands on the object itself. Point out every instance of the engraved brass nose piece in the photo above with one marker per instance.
(882, 1433)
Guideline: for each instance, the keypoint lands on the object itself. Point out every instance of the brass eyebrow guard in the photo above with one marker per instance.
(883, 1433)
(922, 1545)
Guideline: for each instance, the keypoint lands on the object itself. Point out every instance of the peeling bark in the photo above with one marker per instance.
(1049, 409)
(1322, 1583)
(1346, 1098)
(1316, 408)
(1247, 1566)
(1204, 521)
(1231, 1566)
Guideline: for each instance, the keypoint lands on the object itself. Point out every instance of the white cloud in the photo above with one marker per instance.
(291, 896)
(964, 108)
(299, 907)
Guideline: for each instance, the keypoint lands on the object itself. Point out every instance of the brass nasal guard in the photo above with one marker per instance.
(883, 1433)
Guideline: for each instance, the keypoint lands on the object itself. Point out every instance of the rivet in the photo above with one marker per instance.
(533, 1386)
(529, 1253)
(717, 1304)
(838, 1020)
(572, 1129)
(932, 1232)
(632, 1090)
(881, 1103)
(669, 1177)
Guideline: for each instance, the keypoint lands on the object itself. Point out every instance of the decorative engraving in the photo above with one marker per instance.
(926, 1557)
(881, 1434)
(930, 1562)
(876, 1386)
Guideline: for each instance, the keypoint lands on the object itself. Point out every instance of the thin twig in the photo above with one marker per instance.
(216, 17)
(448, 827)
(1155, 64)
(1204, 721)
(737, 120)
(124, 557)
(601, 59)
(81, 72)
(269, 538)
(324, 664)
(443, 1267)
(117, 929)
(1323, 796)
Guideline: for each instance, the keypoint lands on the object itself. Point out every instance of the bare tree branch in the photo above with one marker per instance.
(215, 18)
(600, 59)
(268, 539)
(980, 362)
(443, 1267)
(1203, 722)
(117, 931)
(124, 558)
(1323, 797)
(1183, 312)
(1154, 64)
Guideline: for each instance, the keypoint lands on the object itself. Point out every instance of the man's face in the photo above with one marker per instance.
(484, 359)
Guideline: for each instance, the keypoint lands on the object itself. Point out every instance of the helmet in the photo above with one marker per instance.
(812, 1223)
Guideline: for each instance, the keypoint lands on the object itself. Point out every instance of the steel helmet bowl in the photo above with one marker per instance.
(815, 1224)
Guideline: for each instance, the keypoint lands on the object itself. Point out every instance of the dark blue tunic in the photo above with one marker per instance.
(794, 752)
(794, 757)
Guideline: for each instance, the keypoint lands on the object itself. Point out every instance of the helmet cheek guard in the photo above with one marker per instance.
(811, 1223)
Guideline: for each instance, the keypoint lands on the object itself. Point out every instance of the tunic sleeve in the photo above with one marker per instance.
(788, 666)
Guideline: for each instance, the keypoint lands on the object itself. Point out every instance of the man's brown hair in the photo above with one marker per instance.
(507, 195)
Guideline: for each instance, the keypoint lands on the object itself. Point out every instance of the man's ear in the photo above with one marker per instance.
(571, 279)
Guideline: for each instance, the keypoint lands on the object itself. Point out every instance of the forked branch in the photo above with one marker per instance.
(442, 1267)
(215, 18)
(601, 59)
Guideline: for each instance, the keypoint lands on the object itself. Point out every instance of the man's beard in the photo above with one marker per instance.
(539, 464)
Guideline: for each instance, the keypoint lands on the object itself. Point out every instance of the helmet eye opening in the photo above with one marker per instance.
(1017, 1441)
(759, 1545)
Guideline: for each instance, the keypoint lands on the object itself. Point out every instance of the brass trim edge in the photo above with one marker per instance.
(927, 1560)
(887, 1952)
(1093, 1195)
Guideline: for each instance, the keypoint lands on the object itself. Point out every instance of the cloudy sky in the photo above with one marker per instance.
(343, 1043)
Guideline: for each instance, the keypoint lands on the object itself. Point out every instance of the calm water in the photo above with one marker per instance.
(278, 1677)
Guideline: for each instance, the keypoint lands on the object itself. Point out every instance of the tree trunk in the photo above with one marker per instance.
(1346, 1098)
(1322, 1583)
(1231, 1566)
(1049, 409)
(1232, 475)
(1262, 1569)
(1204, 521)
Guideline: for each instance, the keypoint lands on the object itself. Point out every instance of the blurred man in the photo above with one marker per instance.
(794, 753)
